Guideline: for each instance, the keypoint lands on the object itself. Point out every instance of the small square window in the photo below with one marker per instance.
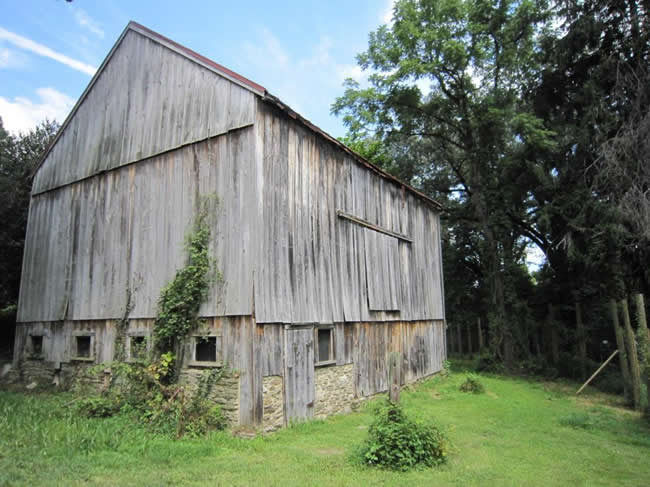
(205, 349)
(325, 345)
(83, 343)
(37, 344)
(137, 347)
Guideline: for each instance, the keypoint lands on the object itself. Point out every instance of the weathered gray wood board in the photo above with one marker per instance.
(88, 242)
(148, 99)
(314, 266)
(299, 388)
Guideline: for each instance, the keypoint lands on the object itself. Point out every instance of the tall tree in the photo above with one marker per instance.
(477, 58)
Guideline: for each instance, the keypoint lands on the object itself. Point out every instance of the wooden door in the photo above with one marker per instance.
(299, 391)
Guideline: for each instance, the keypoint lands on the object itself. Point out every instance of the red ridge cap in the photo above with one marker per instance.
(201, 58)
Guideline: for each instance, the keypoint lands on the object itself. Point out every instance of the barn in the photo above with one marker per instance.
(328, 263)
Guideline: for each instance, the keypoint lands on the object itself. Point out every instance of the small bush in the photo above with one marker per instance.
(397, 443)
(97, 407)
(472, 384)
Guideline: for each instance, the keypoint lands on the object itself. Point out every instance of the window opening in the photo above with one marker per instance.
(206, 349)
(37, 344)
(83, 346)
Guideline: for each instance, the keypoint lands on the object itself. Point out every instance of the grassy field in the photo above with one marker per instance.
(518, 433)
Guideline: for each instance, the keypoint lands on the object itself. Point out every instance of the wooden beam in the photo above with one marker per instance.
(365, 223)
(596, 373)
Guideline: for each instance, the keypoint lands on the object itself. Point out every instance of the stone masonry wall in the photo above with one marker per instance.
(273, 399)
(334, 390)
(225, 392)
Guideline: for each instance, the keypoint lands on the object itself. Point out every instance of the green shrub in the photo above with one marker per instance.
(97, 407)
(472, 384)
(397, 443)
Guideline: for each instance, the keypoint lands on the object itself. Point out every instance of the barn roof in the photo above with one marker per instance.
(239, 80)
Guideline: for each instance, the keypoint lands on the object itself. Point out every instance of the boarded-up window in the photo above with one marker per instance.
(382, 271)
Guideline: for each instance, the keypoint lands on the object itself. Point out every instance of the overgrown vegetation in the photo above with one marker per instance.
(181, 299)
(398, 443)
(472, 384)
(146, 387)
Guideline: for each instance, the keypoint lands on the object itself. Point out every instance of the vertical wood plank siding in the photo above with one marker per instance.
(148, 99)
(88, 242)
(316, 267)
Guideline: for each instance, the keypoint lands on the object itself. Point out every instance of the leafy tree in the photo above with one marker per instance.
(474, 129)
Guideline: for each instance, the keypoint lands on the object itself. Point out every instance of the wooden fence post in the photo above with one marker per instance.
(394, 376)
(644, 344)
(635, 371)
(622, 356)
(582, 341)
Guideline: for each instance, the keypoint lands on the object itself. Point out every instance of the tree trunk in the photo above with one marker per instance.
(644, 345)
(470, 348)
(480, 337)
(555, 339)
(581, 336)
(622, 352)
(635, 371)
(460, 338)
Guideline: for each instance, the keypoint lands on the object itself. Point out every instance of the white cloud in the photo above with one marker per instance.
(87, 22)
(387, 14)
(41, 50)
(22, 114)
(354, 71)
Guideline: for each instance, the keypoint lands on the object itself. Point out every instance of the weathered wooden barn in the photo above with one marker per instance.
(328, 263)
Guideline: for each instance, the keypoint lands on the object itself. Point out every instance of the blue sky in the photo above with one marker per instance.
(299, 51)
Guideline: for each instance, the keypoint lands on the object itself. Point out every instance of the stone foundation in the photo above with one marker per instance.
(273, 399)
(334, 390)
(225, 392)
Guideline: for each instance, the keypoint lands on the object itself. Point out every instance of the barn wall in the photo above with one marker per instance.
(148, 99)
(87, 243)
(314, 265)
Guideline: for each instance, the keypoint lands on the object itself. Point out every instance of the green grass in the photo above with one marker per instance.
(518, 433)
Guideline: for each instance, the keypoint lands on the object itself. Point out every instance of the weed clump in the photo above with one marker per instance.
(472, 384)
(397, 443)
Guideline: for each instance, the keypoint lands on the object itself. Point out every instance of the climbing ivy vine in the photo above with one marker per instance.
(181, 299)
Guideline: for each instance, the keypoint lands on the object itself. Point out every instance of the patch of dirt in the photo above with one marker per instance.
(492, 394)
(436, 395)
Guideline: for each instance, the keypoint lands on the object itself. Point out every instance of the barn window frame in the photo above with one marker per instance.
(91, 347)
(33, 353)
(146, 337)
(332, 348)
(196, 342)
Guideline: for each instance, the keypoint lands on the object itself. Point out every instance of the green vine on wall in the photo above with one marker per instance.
(181, 299)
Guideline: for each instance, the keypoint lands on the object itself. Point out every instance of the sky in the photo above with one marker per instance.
(300, 51)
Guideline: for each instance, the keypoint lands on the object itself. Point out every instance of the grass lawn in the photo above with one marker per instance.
(519, 433)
